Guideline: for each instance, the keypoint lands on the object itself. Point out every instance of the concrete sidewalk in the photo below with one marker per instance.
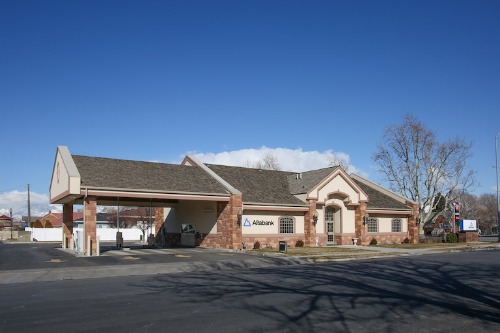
(372, 252)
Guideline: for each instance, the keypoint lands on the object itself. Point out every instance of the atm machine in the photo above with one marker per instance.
(188, 235)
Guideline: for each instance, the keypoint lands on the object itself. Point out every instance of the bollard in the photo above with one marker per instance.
(89, 249)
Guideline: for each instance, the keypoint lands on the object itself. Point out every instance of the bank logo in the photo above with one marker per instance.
(247, 223)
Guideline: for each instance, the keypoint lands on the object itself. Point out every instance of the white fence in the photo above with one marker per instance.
(108, 234)
(45, 234)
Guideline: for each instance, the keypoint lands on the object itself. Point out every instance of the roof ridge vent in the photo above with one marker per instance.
(298, 175)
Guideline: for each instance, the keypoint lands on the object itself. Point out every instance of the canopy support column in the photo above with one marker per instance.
(310, 224)
(89, 225)
(361, 218)
(67, 241)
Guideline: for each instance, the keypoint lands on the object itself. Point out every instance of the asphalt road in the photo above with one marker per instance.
(454, 292)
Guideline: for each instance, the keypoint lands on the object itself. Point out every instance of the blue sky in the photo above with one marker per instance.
(154, 80)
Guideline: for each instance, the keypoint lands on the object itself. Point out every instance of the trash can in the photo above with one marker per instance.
(283, 246)
(151, 240)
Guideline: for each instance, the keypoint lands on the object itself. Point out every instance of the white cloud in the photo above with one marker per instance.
(18, 201)
(288, 159)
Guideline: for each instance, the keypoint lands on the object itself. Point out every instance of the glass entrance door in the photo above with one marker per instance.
(330, 225)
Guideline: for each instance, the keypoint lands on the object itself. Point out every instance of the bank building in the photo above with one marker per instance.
(220, 206)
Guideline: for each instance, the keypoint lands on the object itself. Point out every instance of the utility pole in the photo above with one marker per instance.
(29, 207)
(11, 224)
(496, 173)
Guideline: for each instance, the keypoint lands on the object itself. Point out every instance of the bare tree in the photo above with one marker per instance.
(469, 206)
(416, 165)
(121, 214)
(144, 222)
(335, 160)
(487, 213)
(268, 162)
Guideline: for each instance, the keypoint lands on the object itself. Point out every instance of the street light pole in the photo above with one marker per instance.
(11, 224)
(496, 172)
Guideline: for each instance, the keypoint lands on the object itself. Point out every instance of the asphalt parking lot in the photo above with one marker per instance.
(37, 262)
(18, 256)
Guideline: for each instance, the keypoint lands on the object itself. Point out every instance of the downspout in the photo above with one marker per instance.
(150, 217)
(85, 219)
(84, 203)
(118, 214)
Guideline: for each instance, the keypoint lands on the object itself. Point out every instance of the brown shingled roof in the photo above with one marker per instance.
(379, 200)
(137, 175)
(308, 179)
(257, 185)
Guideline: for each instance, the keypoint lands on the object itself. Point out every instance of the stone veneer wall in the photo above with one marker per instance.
(272, 241)
(67, 225)
(228, 232)
(321, 239)
(386, 238)
(345, 239)
(90, 208)
(412, 224)
(172, 239)
(359, 226)
(159, 222)
(309, 228)
(468, 236)
(207, 240)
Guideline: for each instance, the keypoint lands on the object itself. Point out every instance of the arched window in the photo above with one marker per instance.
(372, 224)
(396, 225)
(286, 225)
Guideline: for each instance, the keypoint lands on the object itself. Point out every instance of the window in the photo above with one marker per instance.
(372, 224)
(396, 225)
(286, 225)
(329, 214)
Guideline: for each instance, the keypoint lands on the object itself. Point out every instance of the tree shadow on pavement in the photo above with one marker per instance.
(404, 294)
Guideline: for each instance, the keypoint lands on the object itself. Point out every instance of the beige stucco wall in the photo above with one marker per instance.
(271, 218)
(385, 223)
(344, 218)
(201, 213)
(349, 220)
(59, 184)
(62, 180)
(320, 224)
(339, 184)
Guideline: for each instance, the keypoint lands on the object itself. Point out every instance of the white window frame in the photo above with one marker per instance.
(289, 227)
(400, 226)
(372, 225)
(329, 214)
